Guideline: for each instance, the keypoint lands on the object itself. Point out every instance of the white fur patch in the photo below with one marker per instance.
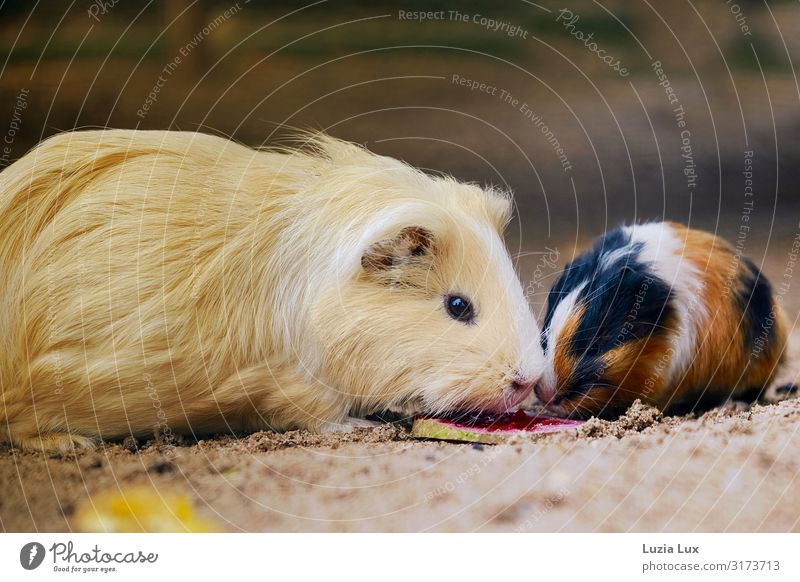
(530, 357)
(560, 317)
(662, 250)
(609, 259)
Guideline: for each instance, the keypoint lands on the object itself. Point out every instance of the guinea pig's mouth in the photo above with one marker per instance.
(567, 406)
(570, 410)
(581, 401)
(509, 401)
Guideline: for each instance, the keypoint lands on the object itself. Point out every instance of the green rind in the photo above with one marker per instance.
(428, 428)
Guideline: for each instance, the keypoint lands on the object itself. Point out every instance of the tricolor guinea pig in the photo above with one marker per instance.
(177, 282)
(660, 312)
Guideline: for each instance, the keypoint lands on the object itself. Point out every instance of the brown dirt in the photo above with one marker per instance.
(727, 470)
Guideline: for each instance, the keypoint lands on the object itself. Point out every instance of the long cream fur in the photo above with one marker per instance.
(171, 281)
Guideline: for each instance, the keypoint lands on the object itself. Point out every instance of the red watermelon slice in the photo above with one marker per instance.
(488, 428)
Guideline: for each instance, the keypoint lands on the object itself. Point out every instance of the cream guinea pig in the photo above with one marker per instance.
(664, 313)
(176, 282)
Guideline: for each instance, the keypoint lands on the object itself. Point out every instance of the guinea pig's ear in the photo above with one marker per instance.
(389, 258)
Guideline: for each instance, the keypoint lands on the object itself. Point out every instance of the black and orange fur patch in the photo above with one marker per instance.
(617, 344)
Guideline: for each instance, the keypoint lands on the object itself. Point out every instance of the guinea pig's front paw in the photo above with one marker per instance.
(407, 409)
(347, 425)
(735, 406)
(55, 442)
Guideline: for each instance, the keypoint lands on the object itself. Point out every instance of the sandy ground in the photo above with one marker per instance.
(727, 470)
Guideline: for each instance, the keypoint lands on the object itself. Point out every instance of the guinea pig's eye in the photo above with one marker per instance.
(459, 308)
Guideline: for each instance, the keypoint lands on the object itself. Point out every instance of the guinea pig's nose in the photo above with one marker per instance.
(538, 389)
